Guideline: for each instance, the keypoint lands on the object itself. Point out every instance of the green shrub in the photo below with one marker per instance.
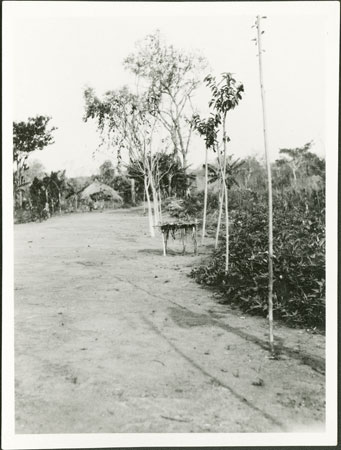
(299, 258)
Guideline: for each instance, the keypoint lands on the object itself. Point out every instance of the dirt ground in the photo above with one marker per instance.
(111, 336)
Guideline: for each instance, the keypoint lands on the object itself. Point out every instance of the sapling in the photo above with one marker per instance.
(225, 97)
(207, 129)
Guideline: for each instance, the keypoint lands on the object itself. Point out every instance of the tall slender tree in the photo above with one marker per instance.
(170, 76)
(207, 129)
(226, 95)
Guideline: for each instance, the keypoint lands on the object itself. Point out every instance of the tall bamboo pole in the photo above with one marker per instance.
(205, 198)
(268, 168)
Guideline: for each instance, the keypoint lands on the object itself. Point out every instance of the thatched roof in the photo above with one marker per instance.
(97, 188)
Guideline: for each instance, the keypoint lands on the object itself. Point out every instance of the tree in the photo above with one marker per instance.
(301, 162)
(107, 173)
(252, 174)
(226, 95)
(171, 77)
(207, 129)
(55, 184)
(125, 120)
(38, 196)
(117, 115)
(28, 137)
(122, 184)
(172, 177)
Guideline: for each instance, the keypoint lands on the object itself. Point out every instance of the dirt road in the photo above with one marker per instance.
(112, 337)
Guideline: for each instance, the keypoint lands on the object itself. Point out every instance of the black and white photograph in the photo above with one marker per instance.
(169, 223)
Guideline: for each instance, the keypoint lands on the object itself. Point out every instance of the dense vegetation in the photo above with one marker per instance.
(299, 243)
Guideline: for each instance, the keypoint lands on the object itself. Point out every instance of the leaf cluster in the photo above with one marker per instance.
(31, 135)
(207, 128)
(226, 93)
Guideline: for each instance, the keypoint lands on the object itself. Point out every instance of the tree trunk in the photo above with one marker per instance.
(60, 203)
(184, 162)
(20, 199)
(144, 201)
(295, 177)
(221, 200)
(205, 199)
(150, 214)
(155, 204)
(169, 185)
(160, 205)
(133, 196)
(227, 229)
(270, 255)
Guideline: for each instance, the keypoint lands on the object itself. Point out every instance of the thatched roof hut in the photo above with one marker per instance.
(100, 191)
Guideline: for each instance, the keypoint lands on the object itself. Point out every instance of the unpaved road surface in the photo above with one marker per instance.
(110, 336)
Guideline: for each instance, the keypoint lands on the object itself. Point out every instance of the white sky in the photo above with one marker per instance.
(58, 50)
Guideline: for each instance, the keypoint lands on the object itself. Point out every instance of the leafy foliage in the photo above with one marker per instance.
(208, 129)
(38, 198)
(31, 135)
(299, 258)
(226, 93)
(106, 173)
(231, 170)
(169, 175)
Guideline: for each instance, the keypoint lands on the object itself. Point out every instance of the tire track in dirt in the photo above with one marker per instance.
(218, 382)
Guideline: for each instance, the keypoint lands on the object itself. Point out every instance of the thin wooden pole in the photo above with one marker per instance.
(268, 168)
(226, 198)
